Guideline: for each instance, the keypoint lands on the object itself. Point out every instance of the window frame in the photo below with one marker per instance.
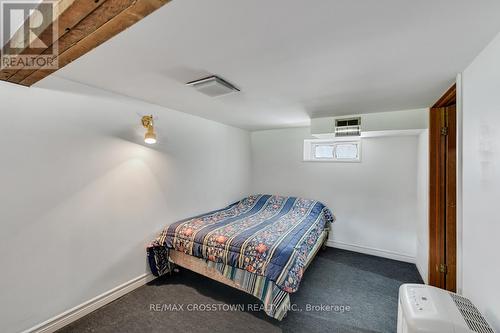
(311, 144)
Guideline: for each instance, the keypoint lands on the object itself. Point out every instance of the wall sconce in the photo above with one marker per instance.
(150, 136)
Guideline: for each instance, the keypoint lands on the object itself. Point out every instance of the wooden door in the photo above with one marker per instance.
(442, 194)
(451, 199)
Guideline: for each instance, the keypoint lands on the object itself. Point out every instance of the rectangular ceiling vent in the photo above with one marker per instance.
(213, 86)
(348, 127)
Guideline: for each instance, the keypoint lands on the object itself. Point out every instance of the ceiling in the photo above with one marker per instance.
(293, 59)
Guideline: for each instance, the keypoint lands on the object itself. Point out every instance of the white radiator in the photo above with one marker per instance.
(426, 309)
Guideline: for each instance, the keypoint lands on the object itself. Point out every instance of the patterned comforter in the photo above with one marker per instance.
(267, 235)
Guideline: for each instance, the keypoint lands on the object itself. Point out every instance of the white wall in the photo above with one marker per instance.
(481, 182)
(423, 205)
(81, 195)
(375, 201)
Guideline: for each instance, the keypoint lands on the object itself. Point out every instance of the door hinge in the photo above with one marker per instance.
(443, 268)
(444, 131)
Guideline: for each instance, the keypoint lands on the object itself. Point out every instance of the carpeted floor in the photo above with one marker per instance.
(366, 287)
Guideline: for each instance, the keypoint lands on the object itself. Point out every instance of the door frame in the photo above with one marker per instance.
(442, 192)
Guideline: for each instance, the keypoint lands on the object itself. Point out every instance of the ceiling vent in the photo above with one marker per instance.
(348, 127)
(213, 86)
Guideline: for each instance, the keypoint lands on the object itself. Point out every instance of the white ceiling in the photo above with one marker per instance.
(293, 59)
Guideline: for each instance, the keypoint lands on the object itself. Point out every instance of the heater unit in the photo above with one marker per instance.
(426, 309)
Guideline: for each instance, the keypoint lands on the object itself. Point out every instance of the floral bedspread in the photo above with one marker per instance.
(267, 235)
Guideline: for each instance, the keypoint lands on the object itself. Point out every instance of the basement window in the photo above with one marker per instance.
(332, 151)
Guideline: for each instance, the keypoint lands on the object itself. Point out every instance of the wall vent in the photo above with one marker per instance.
(213, 86)
(348, 127)
(475, 321)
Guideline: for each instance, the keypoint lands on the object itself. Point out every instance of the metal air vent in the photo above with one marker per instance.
(348, 127)
(213, 86)
(475, 321)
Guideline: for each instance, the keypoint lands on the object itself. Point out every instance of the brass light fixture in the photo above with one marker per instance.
(150, 136)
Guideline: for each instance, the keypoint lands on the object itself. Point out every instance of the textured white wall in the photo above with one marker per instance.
(375, 201)
(423, 205)
(481, 182)
(81, 195)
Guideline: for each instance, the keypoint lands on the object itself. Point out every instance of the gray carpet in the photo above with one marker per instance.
(367, 285)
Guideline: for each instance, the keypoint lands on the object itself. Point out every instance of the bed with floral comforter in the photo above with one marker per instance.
(265, 235)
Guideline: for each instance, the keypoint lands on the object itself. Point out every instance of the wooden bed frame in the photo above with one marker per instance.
(200, 266)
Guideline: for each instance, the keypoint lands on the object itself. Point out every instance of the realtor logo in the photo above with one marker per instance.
(28, 36)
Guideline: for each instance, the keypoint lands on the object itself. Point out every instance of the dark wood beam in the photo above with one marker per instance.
(83, 27)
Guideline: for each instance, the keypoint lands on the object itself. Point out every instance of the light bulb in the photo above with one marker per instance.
(150, 141)
(150, 136)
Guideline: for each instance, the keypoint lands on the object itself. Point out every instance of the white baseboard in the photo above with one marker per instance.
(372, 251)
(95, 303)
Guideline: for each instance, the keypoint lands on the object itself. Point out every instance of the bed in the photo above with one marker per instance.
(261, 245)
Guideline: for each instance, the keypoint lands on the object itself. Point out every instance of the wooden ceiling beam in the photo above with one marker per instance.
(67, 14)
(17, 44)
(91, 28)
(86, 27)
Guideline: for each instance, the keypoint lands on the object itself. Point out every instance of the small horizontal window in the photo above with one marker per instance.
(335, 151)
(347, 151)
(324, 151)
